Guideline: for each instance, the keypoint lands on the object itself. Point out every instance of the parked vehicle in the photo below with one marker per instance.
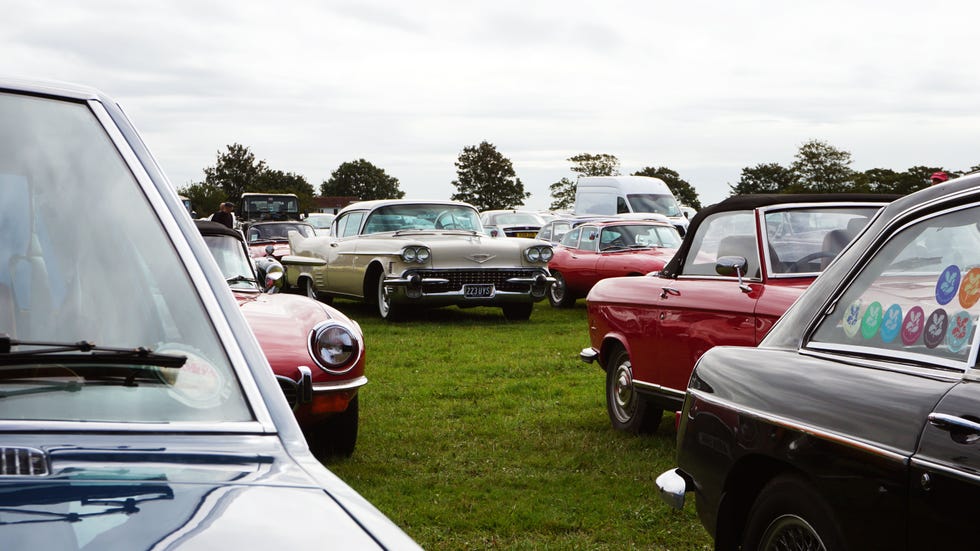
(855, 423)
(137, 408)
(402, 255)
(263, 235)
(511, 223)
(611, 195)
(647, 332)
(261, 207)
(596, 250)
(320, 221)
(301, 338)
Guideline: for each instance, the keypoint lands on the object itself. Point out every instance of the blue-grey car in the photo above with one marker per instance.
(137, 410)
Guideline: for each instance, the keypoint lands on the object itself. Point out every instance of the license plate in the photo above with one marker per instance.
(530, 234)
(478, 291)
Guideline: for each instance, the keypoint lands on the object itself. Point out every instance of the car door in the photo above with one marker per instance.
(580, 265)
(341, 275)
(701, 309)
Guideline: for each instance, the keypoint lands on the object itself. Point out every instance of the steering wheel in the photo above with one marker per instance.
(617, 243)
(795, 266)
(449, 225)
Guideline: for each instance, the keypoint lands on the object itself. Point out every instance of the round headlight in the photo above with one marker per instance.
(334, 346)
(546, 254)
(409, 254)
(423, 255)
(533, 254)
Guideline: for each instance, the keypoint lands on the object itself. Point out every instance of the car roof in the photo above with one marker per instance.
(207, 227)
(371, 205)
(751, 202)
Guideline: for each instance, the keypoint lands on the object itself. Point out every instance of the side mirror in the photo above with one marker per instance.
(730, 266)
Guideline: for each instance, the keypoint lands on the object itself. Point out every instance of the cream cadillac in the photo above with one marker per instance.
(404, 254)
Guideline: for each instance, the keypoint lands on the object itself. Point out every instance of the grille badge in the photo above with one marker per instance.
(481, 257)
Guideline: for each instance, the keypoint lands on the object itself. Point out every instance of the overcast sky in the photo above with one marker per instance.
(704, 88)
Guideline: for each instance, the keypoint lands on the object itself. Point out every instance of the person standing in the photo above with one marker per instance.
(224, 215)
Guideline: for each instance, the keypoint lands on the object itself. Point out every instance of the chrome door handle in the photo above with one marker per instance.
(669, 291)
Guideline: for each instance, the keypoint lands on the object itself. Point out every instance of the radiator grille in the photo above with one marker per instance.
(457, 278)
(22, 462)
(289, 388)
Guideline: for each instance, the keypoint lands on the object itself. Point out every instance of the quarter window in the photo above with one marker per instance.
(571, 238)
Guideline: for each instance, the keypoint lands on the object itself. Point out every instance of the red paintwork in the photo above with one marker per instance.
(665, 334)
(282, 324)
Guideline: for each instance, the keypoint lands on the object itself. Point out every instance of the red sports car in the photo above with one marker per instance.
(599, 249)
(302, 339)
(742, 263)
(262, 235)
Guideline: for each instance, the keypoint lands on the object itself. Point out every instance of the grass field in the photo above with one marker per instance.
(478, 433)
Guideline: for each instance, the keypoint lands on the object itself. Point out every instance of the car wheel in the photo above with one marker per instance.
(520, 311)
(558, 294)
(337, 436)
(790, 514)
(387, 308)
(629, 411)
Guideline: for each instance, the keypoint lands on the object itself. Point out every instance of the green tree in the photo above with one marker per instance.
(765, 178)
(277, 181)
(204, 196)
(682, 189)
(486, 179)
(822, 168)
(363, 180)
(583, 164)
(235, 172)
(562, 194)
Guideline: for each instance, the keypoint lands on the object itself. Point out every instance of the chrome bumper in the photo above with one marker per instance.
(672, 488)
(589, 355)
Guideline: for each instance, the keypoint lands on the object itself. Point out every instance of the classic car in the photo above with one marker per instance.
(320, 221)
(511, 223)
(553, 230)
(298, 334)
(647, 332)
(855, 423)
(271, 238)
(403, 255)
(137, 410)
(604, 248)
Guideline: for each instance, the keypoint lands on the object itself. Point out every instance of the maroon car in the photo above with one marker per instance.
(316, 352)
(600, 249)
(742, 263)
(262, 235)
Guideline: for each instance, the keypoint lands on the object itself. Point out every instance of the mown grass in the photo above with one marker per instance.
(478, 433)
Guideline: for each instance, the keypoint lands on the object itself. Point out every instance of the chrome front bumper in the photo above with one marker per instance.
(672, 488)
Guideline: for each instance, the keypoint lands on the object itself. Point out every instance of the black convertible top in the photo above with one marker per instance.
(207, 227)
(749, 202)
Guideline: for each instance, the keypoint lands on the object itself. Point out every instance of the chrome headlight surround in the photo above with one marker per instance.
(539, 253)
(415, 254)
(334, 346)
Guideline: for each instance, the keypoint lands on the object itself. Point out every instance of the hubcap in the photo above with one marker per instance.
(791, 533)
(624, 397)
(558, 288)
(384, 299)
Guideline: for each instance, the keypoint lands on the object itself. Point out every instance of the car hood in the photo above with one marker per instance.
(281, 248)
(150, 495)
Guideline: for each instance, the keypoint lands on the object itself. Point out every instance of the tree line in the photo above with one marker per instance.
(486, 179)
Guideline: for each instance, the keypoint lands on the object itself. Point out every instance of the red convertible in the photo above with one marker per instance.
(598, 249)
(742, 263)
(310, 346)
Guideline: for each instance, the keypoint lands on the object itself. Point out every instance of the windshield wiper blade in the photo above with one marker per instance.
(66, 353)
(240, 278)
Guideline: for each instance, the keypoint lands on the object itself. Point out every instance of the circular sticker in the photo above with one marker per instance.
(891, 324)
(871, 320)
(852, 318)
(959, 331)
(912, 325)
(970, 288)
(936, 325)
(948, 284)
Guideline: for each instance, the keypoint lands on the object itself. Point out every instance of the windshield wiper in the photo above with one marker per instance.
(240, 278)
(67, 353)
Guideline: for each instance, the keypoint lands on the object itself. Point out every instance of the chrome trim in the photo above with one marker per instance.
(23, 461)
(734, 280)
(339, 386)
(672, 488)
(660, 389)
(322, 326)
(873, 448)
(241, 427)
(205, 292)
(589, 355)
(826, 351)
(932, 465)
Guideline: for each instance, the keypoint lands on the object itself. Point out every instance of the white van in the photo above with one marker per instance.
(612, 195)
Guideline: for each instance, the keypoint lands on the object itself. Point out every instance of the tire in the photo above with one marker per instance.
(629, 411)
(790, 514)
(558, 294)
(337, 436)
(386, 308)
(519, 311)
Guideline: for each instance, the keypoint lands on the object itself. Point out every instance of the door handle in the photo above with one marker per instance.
(962, 430)
(334, 244)
(669, 291)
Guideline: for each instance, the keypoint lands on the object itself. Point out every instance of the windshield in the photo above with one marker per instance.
(277, 232)
(112, 278)
(652, 202)
(516, 219)
(234, 263)
(270, 207)
(320, 221)
(423, 217)
(638, 236)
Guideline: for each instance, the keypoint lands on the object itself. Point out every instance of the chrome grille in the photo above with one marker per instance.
(457, 278)
(22, 462)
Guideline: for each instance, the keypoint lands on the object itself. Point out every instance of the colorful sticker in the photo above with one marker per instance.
(852, 318)
(970, 288)
(959, 331)
(891, 325)
(871, 320)
(912, 325)
(948, 284)
(936, 326)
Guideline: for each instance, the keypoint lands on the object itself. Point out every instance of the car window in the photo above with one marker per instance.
(233, 262)
(114, 279)
(349, 224)
(570, 239)
(806, 240)
(723, 234)
(423, 216)
(917, 299)
(653, 202)
(589, 239)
